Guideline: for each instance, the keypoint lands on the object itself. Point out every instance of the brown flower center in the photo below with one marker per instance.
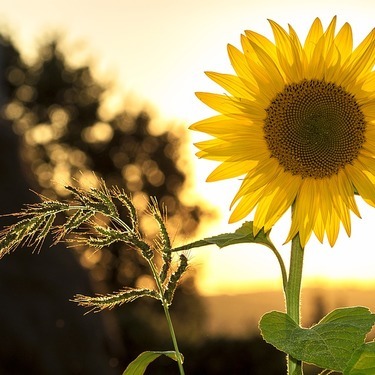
(314, 128)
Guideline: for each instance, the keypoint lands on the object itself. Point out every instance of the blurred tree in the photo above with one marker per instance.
(320, 309)
(42, 332)
(55, 109)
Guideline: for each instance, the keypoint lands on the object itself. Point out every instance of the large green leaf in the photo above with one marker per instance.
(244, 234)
(362, 361)
(329, 344)
(139, 365)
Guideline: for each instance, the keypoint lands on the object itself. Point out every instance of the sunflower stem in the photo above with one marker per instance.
(293, 296)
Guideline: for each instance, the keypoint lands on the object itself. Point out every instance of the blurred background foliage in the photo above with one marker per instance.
(55, 132)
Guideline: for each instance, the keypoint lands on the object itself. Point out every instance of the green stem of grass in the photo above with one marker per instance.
(167, 316)
(163, 300)
(293, 296)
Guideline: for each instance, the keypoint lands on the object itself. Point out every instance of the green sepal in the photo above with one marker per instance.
(244, 234)
(139, 365)
(329, 344)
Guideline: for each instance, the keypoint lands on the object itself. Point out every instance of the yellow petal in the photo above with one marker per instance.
(363, 46)
(262, 42)
(359, 66)
(231, 106)
(233, 84)
(346, 191)
(273, 72)
(258, 177)
(333, 226)
(340, 207)
(245, 206)
(299, 57)
(284, 189)
(329, 34)
(282, 40)
(305, 212)
(319, 227)
(369, 82)
(239, 63)
(221, 125)
(362, 183)
(315, 33)
(230, 170)
(344, 42)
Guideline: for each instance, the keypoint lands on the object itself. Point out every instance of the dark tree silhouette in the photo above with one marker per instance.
(55, 110)
(42, 332)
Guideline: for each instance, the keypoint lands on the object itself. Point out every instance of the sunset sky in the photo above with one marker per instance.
(157, 51)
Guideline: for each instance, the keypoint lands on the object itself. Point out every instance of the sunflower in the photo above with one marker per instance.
(297, 124)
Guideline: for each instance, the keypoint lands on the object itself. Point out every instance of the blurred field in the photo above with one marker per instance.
(238, 315)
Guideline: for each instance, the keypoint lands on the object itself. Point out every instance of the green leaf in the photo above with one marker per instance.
(139, 365)
(362, 361)
(244, 234)
(329, 344)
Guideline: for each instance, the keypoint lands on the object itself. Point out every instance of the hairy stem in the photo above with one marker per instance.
(293, 295)
(167, 316)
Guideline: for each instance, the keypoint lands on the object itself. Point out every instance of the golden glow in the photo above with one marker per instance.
(124, 40)
(97, 133)
(245, 268)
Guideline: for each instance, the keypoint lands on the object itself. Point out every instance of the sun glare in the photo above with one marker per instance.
(165, 67)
